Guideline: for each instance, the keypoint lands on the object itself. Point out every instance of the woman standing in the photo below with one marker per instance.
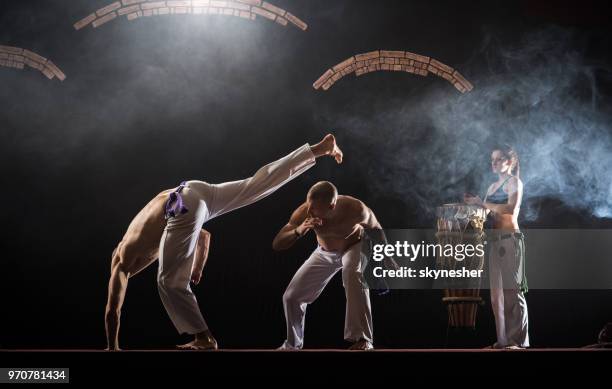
(506, 250)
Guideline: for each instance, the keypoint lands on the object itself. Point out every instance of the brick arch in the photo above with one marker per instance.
(17, 58)
(386, 60)
(134, 9)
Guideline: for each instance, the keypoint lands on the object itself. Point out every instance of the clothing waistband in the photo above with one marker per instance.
(174, 204)
(494, 237)
(339, 252)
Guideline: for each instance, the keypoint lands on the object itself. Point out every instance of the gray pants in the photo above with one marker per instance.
(204, 202)
(506, 272)
(310, 280)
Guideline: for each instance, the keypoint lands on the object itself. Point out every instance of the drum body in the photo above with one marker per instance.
(461, 224)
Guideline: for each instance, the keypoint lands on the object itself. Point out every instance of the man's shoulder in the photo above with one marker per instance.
(349, 200)
(351, 203)
(300, 211)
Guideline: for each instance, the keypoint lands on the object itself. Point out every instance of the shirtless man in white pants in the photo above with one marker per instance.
(338, 222)
(138, 249)
(193, 203)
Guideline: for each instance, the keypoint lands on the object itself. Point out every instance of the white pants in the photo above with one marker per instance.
(506, 274)
(310, 280)
(204, 202)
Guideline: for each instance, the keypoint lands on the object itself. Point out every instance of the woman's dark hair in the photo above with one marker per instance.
(510, 154)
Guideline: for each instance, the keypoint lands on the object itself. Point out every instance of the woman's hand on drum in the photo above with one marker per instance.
(471, 199)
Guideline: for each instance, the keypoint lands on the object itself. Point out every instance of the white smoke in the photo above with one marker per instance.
(539, 95)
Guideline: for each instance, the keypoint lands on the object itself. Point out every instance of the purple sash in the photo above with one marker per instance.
(174, 205)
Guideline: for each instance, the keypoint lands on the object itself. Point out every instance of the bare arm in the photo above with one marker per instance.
(376, 233)
(298, 225)
(368, 219)
(468, 195)
(117, 287)
(201, 256)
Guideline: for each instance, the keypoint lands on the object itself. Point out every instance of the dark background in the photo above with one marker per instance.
(152, 102)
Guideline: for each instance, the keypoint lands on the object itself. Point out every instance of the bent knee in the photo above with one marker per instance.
(112, 313)
(171, 285)
(288, 296)
(291, 297)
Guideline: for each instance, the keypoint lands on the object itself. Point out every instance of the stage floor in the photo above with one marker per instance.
(266, 351)
(87, 365)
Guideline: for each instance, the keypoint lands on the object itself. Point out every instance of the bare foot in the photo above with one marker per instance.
(362, 345)
(112, 349)
(329, 147)
(204, 343)
(186, 346)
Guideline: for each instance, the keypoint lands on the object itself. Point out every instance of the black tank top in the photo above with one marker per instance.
(499, 196)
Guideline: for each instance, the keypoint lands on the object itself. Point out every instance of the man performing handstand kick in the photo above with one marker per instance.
(193, 203)
(338, 222)
(137, 250)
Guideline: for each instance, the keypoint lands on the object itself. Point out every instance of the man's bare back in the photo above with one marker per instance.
(139, 246)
